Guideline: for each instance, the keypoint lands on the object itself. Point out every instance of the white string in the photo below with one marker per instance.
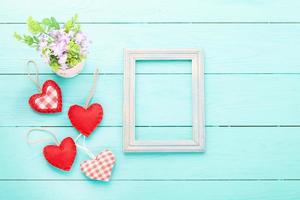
(90, 96)
(93, 89)
(83, 142)
(35, 80)
(40, 140)
(87, 151)
(84, 147)
(78, 137)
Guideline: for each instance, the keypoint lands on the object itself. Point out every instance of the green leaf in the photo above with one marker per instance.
(35, 39)
(74, 57)
(50, 23)
(55, 66)
(77, 28)
(54, 63)
(68, 26)
(71, 24)
(17, 36)
(28, 40)
(54, 23)
(75, 18)
(46, 21)
(34, 26)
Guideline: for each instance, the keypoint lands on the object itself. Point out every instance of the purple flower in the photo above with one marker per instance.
(60, 35)
(46, 56)
(54, 33)
(63, 66)
(80, 37)
(43, 41)
(63, 59)
(56, 42)
(42, 37)
(58, 48)
(42, 44)
(82, 41)
(64, 38)
(71, 34)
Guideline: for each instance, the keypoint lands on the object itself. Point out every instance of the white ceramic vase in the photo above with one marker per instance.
(70, 72)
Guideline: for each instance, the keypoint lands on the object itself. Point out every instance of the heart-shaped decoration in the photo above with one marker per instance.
(99, 168)
(86, 120)
(49, 101)
(61, 156)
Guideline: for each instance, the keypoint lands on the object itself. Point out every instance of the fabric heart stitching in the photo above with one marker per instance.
(99, 168)
(61, 156)
(85, 120)
(49, 100)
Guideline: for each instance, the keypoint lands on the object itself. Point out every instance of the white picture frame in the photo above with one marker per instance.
(197, 144)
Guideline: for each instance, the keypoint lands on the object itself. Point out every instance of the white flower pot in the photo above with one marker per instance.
(70, 72)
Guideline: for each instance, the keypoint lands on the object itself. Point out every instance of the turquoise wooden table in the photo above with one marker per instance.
(252, 100)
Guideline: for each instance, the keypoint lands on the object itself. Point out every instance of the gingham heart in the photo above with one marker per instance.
(99, 168)
(49, 101)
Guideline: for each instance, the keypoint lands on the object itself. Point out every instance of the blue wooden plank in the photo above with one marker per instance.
(163, 100)
(230, 100)
(209, 190)
(154, 11)
(163, 66)
(75, 91)
(231, 153)
(260, 157)
(163, 133)
(228, 48)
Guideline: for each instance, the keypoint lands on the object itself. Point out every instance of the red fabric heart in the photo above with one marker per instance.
(61, 156)
(86, 120)
(49, 101)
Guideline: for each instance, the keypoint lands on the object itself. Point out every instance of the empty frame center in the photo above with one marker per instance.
(163, 100)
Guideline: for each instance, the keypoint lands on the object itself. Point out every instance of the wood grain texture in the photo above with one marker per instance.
(155, 10)
(238, 190)
(228, 48)
(231, 154)
(252, 82)
(242, 100)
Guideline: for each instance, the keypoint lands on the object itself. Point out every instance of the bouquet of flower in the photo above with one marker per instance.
(62, 47)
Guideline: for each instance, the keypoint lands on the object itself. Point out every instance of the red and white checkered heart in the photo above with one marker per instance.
(49, 101)
(99, 168)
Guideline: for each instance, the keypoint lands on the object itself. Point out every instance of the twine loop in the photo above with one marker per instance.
(93, 89)
(35, 79)
(82, 147)
(40, 140)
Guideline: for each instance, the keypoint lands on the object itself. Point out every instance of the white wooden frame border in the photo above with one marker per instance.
(197, 144)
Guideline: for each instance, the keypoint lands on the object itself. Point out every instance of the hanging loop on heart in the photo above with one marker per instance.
(35, 79)
(41, 140)
(84, 147)
(61, 155)
(93, 89)
(86, 118)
